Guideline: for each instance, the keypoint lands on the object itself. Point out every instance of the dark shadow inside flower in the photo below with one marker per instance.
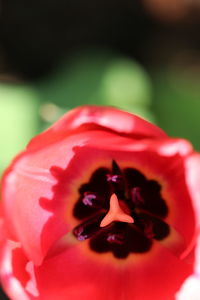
(135, 192)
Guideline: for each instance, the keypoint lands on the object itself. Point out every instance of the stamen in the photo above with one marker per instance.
(115, 239)
(115, 213)
(88, 228)
(88, 198)
(136, 196)
(113, 178)
(148, 230)
(79, 233)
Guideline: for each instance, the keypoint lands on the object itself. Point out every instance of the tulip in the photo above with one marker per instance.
(102, 205)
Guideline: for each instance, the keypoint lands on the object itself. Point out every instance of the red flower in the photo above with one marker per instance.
(99, 206)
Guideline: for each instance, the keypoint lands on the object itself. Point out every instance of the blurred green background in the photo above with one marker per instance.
(143, 57)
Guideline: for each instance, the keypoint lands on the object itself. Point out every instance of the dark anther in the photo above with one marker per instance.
(79, 233)
(136, 196)
(115, 239)
(88, 228)
(116, 181)
(113, 178)
(89, 198)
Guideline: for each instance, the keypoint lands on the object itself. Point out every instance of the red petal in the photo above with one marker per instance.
(192, 167)
(76, 275)
(25, 188)
(12, 271)
(191, 287)
(87, 118)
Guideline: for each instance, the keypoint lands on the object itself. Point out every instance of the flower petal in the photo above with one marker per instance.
(89, 118)
(12, 271)
(191, 286)
(27, 186)
(90, 278)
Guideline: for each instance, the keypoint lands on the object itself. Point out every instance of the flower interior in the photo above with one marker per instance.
(120, 211)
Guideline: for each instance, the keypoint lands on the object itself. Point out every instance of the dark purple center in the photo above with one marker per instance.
(141, 196)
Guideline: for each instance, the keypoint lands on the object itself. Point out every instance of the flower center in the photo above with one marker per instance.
(120, 211)
(115, 213)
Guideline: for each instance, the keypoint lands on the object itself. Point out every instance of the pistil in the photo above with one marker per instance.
(115, 213)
